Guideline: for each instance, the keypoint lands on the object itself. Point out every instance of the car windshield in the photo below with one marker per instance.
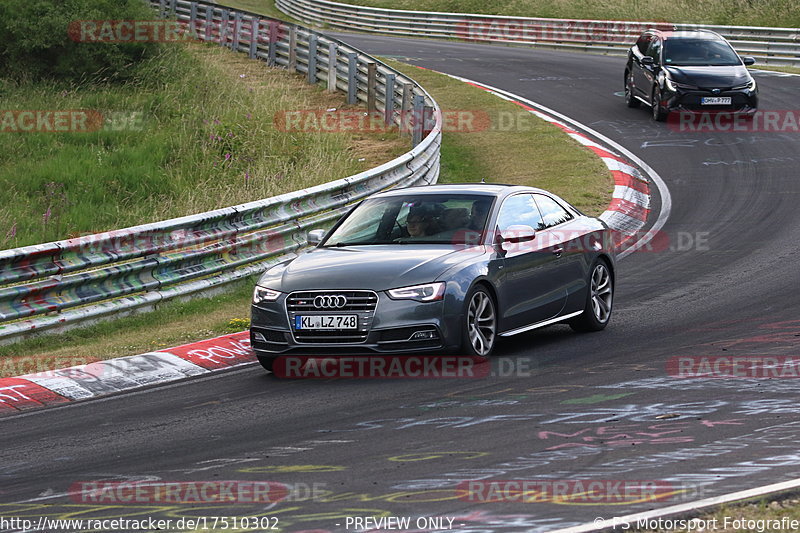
(418, 219)
(699, 52)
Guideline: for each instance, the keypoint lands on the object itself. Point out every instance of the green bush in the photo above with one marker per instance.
(36, 44)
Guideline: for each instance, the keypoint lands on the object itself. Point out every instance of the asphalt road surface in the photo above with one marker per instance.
(559, 407)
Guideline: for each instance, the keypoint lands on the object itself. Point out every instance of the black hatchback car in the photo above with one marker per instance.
(696, 71)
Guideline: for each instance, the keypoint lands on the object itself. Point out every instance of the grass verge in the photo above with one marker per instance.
(262, 7)
(201, 140)
(775, 13)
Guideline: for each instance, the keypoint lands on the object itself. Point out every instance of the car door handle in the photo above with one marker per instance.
(558, 251)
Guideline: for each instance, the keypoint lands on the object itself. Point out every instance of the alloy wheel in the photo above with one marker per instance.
(481, 323)
(602, 293)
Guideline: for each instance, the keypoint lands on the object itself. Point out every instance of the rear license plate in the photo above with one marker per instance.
(715, 100)
(326, 322)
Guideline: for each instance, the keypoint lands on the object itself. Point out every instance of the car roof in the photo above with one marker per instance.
(486, 189)
(707, 35)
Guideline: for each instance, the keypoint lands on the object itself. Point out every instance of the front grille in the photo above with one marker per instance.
(710, 90)
(360, 303)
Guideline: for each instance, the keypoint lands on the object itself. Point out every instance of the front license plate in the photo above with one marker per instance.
(326, 322)
(715, 100)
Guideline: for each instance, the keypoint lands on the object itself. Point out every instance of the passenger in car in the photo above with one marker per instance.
(455, 218)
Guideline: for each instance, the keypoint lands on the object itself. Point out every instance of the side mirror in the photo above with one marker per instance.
(314, 237)
(518, 233)
(747, 60)
(647, 60)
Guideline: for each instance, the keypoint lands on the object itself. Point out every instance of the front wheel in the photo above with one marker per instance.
(480, 325)
(599, 300)
(659, 114)
(630, 99)
(267, 361)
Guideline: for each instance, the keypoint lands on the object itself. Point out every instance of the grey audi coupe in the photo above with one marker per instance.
(437, 269)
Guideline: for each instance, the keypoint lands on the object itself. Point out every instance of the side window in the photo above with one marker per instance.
(519, 210)
(643, 43)
(654, 50)
(552, 212)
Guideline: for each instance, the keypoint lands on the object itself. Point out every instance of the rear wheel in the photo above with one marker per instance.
(480, 327)
(630, 99)
(599, 299)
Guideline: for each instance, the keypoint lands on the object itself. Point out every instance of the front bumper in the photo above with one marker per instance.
(396, 327)
(742, 101)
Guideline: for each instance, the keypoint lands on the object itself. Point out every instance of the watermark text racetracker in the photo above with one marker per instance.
(382, 366)
(68, 121)
(173, 31)
(568, 491)
(196, 492)
(762, 121)
(574, 241)
(737, 366)
(452, 120)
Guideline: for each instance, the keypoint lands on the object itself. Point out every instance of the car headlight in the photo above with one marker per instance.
(263, 294)
(672, 85)
(750, 85)
(428, 292)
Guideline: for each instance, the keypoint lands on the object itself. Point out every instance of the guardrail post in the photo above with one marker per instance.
(223, 27)
(255, 30)
(274, 31)
(237, 27)
(372, 86)
(333, 65)
(173, 8)
(209, 23)
(352, 81)
(293, 49)
(405, 109)
(162, 9)
(388, 108)
(312, 58)
(428, 120)
(193, 19)
(419, 118)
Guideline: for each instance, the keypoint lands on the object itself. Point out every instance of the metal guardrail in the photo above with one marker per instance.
(771, 46)
(66, 282)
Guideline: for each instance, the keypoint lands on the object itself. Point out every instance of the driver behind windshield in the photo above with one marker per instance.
(419, 222)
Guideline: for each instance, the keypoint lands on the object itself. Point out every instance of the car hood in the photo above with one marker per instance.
(710, 77)
(377, 267)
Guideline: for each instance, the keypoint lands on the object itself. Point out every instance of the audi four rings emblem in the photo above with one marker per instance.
(332, 301)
